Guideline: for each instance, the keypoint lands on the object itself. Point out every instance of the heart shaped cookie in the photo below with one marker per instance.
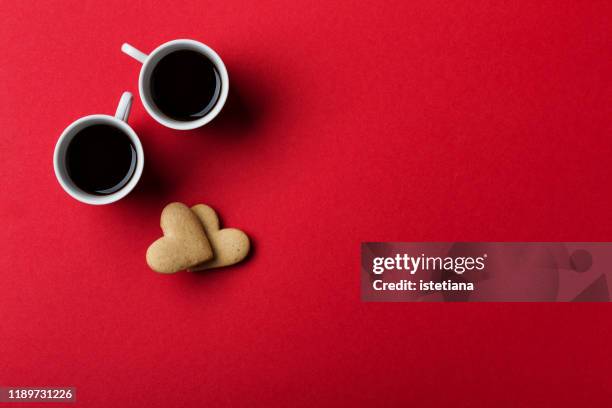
(184, 243)
(230, 245)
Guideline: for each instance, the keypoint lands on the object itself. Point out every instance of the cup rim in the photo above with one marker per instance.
(148, 66)
(59, 165)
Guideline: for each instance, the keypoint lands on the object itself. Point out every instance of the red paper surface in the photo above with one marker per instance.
(347, 122)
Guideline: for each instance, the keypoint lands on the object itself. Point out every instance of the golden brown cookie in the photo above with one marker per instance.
(184, 243)
(230, 245)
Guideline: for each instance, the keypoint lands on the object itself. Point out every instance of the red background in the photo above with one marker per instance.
(347, 122)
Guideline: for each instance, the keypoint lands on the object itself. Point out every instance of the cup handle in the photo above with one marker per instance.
(134, 53)
(125, 104)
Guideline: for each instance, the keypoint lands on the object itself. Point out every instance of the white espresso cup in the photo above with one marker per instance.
(119, 121)
(149, 62)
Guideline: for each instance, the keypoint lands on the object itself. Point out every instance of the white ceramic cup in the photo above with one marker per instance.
(120, 122)
(144, 81)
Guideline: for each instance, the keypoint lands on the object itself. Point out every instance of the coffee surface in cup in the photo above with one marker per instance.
(185, 85)
(101, 159)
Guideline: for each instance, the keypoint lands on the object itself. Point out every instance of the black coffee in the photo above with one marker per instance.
(185, 85)
(101, 159)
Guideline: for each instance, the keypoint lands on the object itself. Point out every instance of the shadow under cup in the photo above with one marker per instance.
(66, 145)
